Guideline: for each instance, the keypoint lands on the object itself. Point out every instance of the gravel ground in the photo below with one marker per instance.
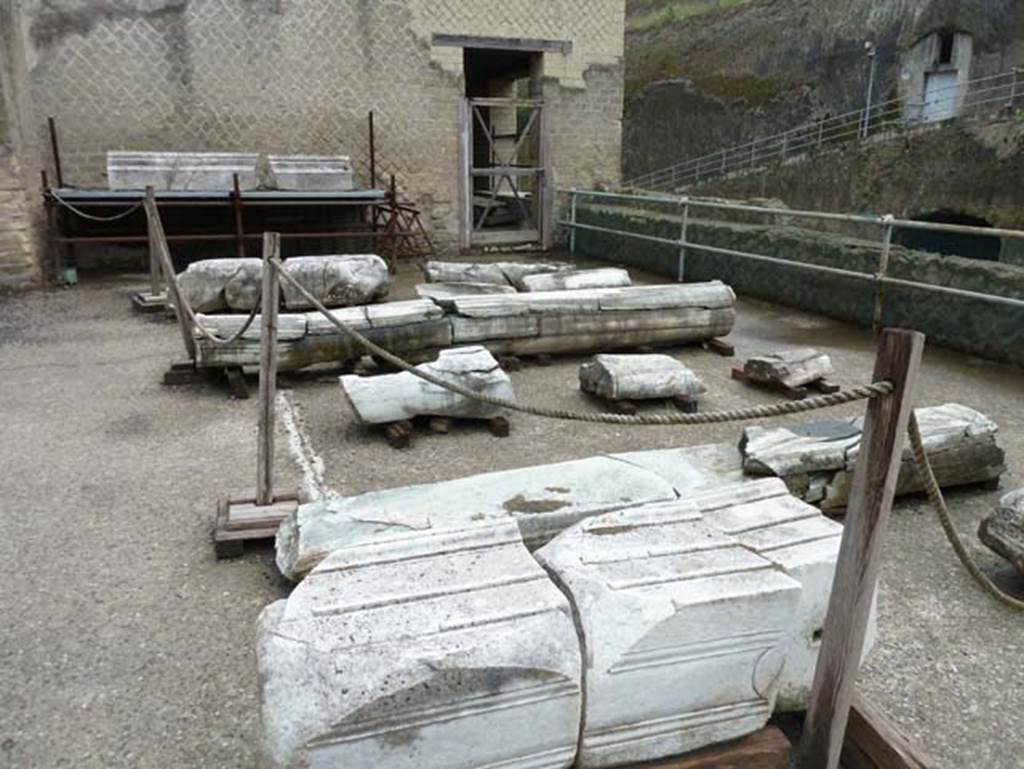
(125, 644)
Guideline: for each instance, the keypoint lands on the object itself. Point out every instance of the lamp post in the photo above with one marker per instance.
(871, 50)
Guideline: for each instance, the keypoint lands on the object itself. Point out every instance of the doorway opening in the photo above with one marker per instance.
(504, 154)
(969, 245)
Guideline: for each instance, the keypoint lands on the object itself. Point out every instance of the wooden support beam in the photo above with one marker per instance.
(874, 485)
(872, 742)
(158, 242)
(268, 370)
(764, 749)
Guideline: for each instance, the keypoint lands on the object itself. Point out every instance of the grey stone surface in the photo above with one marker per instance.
(444, 293)
(543, 500)
(181, 170)
(1003, 530)
(816, 459)
(205, 284)
(685, 631)
(639, 377)
(311, 173)
(500, 273)
(394, 397)
(450, 648)
(336, 280)
(790, 368)
(606, 277)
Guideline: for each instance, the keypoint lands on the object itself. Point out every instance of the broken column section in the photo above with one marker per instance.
(684, 630)
(449, 648)
(394, 397)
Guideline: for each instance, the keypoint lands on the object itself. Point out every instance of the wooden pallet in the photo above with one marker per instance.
(187, 373)
(240, 520)
(822, 385)
(399, 435)
(720, 347)
(145, 302)
(684, 403)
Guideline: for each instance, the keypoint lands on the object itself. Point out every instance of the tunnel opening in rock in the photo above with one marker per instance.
(970, 245)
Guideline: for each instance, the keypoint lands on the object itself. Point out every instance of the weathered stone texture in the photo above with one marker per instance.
(427, 652)
(1003, 530)
(639, 377)
(394, 397)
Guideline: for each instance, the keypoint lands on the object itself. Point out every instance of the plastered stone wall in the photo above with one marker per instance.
(286, 76)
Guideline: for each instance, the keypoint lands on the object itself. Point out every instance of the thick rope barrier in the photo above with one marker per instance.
(664, 418)
(92, 217)
(931, 487)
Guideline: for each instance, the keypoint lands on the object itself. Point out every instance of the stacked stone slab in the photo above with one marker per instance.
(639, 377)
(816, 459)
(218, 285)
(444, 293)
(605, 277)
(518, 324)
(446, 649)
(181, 170)
(311, 173)
(683, 627)
(498, 273)
(394, 397)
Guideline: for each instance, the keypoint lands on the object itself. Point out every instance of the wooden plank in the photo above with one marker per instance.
(764, 749)
(874, 485)
(158, 242)
(268, 370)
(873, 742)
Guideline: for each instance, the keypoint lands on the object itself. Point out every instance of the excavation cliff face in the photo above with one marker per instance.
(754, 67)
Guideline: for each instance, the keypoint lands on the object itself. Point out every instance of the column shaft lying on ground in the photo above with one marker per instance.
(506, 324)
(639, 377)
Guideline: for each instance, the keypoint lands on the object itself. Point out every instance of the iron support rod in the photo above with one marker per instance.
(55, 147)
(572, 220)
(373, 155)
(236, 200)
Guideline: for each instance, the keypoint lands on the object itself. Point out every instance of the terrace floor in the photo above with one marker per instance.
(126, 644)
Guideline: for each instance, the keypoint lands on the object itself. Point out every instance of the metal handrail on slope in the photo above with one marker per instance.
(887, 224)
(1004, 88)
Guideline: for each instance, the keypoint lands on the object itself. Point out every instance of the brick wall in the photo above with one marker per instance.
(286, 76)
(18, 264)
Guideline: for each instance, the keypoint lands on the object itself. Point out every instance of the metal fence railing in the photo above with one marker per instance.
(886, 226)
(1001, 91)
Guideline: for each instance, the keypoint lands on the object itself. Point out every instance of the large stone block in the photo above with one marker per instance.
(1003, 530)
(639, 377)
(336, 280)
(816, 459)
(215, 285)
(543, 499)
(311, 173)
(683, 626)
(765, 518)
(790, 368)
(181, 170)
(394, 397)
(451, 648)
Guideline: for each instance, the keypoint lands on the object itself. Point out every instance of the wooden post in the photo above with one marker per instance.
(874, 483)
(154, 269)
(268, 371)
(883, 268)
(684, 215)
(572, 221)
(158, 241)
